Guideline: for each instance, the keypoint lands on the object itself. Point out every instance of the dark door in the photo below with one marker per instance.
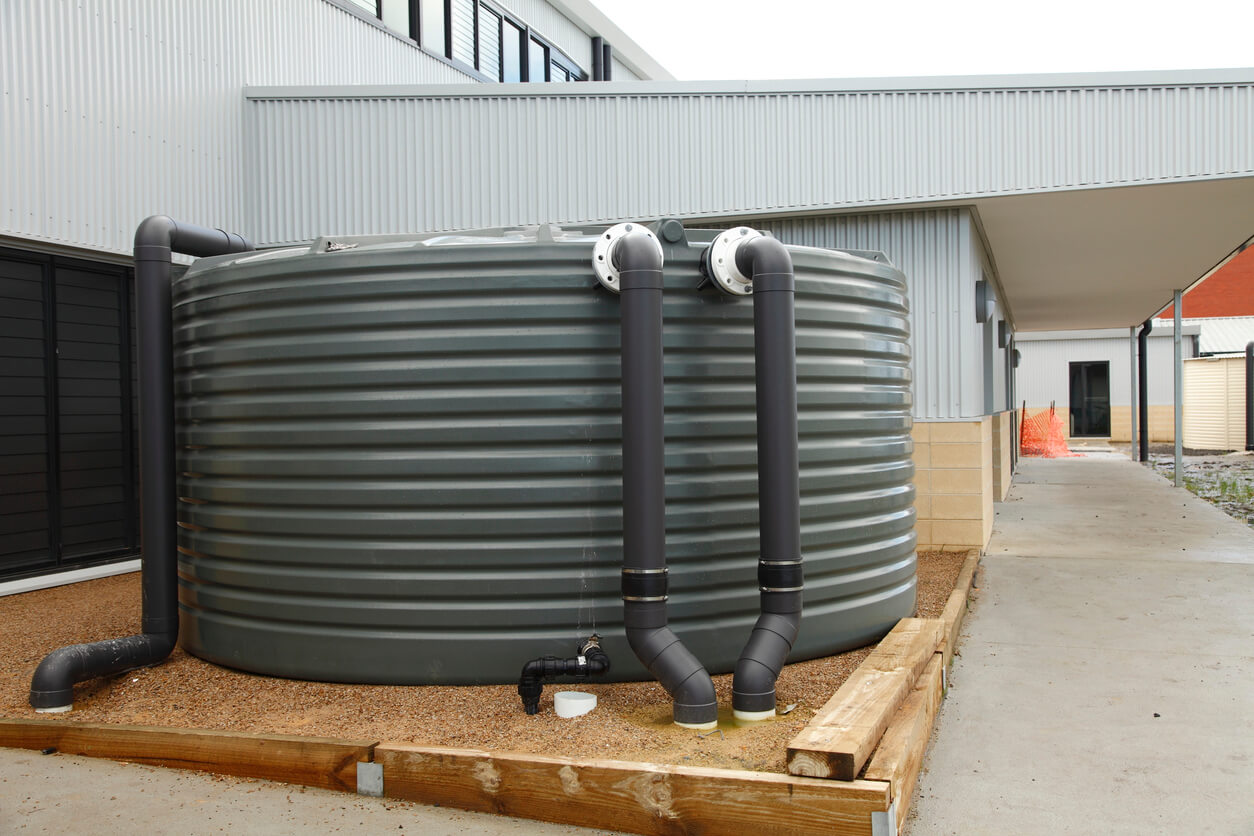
(67, 428)
(1090, 399)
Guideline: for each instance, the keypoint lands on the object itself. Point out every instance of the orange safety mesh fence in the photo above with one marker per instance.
(1041, 435)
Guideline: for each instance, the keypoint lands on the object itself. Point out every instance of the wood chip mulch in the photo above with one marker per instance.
(631, 721)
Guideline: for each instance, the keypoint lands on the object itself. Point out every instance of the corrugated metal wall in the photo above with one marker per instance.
(1043, 373)
(933, 249)
(608, 152)
(1214, 403)
(117, 109)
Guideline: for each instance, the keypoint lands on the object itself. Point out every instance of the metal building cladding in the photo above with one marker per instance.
(401, 456)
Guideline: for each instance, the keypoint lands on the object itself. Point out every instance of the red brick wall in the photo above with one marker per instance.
(1230, 292)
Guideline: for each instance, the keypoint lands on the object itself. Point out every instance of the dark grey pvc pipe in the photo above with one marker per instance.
(1249, 396)
(1142, 375)
(52, 685)
(767, 263)
(644, 585)
(598, 55)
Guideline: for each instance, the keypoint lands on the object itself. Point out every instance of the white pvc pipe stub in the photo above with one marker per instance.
(713, 724)
(56, 709)
(753, 716)
(573, 703)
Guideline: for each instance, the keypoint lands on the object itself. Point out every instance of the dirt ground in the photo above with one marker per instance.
(1226, 480)
(631, 721)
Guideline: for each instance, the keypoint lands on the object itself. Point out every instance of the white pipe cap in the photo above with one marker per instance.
(573, 703)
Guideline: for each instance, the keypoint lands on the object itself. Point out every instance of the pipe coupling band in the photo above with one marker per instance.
(768, 282)
(644, 584)
(780, 575)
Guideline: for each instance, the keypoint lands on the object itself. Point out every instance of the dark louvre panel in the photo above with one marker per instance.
(24, 521)
(95, 431)
(68, 438)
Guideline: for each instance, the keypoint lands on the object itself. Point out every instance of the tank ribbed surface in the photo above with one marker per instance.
(401, 463)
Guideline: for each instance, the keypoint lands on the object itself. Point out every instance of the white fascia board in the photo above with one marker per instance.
(1051, 81)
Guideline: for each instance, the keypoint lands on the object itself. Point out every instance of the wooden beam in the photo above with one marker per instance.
(636, 797)
(899, 757)
(956, 607)
(840, 738)
(311, 761)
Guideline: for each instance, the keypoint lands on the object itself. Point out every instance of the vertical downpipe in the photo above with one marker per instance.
(1133, 450)
(1177, 416)
(628, 260)
(769, 267)
(1142, 393)
(741, 262)
(52, 686)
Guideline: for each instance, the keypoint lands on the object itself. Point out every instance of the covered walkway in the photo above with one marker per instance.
(1106, 676)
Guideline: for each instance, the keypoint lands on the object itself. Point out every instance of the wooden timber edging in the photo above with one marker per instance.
(891, 736)
(646, 798)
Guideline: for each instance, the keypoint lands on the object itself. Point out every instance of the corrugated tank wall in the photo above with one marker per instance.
(933, 249)
(401, 462)
(114, 110)
(700, 150)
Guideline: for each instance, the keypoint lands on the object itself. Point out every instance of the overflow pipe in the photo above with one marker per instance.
(629, 261)
(51, 688)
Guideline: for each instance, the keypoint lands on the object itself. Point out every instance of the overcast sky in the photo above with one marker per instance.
(736, 39)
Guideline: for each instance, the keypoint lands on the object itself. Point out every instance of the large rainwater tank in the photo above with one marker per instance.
(400, 457)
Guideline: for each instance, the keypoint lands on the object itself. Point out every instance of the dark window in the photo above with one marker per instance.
(489, 43)
(369, 6)
(478, 36)
(463, 17)
(433, 20)
(537, 61)
(512, 41)
(395, 15)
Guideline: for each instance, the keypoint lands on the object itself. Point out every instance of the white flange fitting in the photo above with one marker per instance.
(603, 252)
(721, 261)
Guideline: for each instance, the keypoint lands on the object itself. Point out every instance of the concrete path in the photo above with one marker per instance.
(1106, 677)
(64, 794)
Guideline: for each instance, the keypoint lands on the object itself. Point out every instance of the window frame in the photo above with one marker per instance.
(416, 24)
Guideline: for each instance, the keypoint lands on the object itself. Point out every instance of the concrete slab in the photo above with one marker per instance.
(1105, 683)
(1107, 506)
(68, 794)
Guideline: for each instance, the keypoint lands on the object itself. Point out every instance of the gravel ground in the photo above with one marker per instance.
(631, 721)
(1226, 480)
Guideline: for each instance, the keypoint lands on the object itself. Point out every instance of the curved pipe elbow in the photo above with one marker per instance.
(685, 679)
(52, 686)
(165, 233)
(757, 669)
(763, 256)
(637, 250)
